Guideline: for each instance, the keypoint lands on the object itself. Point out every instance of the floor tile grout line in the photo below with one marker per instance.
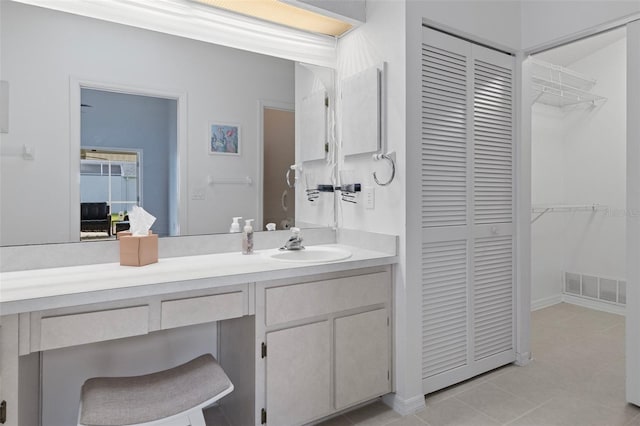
(520, 397)
(481, 412)
(420, 419)
(527, 412)
(630, 422)
(391, 421)
(536, 405)
(455, 387)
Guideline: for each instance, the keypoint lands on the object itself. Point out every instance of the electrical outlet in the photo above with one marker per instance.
(369, 198)
(198, 194)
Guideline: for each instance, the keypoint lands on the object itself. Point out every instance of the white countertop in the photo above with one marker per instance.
(36, 290)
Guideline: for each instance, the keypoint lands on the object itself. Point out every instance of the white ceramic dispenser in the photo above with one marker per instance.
(247, 237)
(235, 226)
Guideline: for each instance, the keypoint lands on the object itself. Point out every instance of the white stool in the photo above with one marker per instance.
(173, 397)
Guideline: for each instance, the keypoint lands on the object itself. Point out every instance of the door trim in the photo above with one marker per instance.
(632, 334)
(76, 84)
(523, 179)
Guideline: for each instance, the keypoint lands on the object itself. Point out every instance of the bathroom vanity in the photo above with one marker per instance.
(299, 340)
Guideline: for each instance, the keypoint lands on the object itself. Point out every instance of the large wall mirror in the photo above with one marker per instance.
(196, 133)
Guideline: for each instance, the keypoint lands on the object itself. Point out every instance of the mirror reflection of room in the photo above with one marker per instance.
(127, 158)
(222, 85)
(279, 206)
(109, 188)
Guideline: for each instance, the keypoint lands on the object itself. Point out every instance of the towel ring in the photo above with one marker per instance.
(286, 176)
(293, 167)
(393, 168)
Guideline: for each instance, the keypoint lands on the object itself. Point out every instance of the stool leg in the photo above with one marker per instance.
(196, 418)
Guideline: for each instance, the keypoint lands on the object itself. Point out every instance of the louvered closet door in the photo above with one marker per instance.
(467, 210)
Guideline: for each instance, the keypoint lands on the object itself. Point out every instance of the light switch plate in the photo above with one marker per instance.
(369, 198)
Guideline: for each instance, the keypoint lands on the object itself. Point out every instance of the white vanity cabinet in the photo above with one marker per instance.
(299, 342)
(321, 345)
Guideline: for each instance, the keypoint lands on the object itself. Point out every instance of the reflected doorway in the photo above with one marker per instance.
(279, 153)
(116, 128)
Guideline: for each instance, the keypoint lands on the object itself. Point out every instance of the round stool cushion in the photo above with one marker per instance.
(111, 401)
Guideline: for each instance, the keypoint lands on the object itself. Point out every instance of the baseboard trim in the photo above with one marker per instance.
(594, 304)
(523, 359)
(546, 302)
(404, 407)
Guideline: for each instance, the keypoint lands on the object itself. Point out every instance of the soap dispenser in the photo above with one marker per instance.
(235, 226)
(247, 237)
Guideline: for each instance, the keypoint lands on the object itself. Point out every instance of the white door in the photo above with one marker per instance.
(467, 210)
(633, 220)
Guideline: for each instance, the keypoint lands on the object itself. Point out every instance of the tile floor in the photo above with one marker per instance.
(575, 379)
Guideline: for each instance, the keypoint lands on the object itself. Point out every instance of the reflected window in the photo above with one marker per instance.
(109, 188)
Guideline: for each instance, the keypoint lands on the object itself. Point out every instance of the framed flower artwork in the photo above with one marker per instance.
(224, 139)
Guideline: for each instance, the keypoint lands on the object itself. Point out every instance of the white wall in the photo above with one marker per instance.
(382, 39)
(496, 23)
(579, 156)
(547, 21)
(596, 159)
(547, 187)
(42, 49)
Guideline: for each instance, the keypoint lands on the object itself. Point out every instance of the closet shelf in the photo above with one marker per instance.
(541, 209)
(559, 86)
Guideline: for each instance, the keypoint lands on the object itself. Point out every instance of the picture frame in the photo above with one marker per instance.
(224, 139)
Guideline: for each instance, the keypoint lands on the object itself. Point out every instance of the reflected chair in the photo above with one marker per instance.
(95, 217)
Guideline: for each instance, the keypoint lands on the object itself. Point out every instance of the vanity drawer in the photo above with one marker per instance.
(89, 327)
(295, 302)
(198, 310)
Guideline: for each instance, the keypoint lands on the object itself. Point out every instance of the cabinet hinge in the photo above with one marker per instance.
(263, 416)
(3, 412)
(388, 375)
(387, 321)
(264, 350)
(326, 102)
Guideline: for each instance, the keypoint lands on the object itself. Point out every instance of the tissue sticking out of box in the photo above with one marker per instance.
(140, 221)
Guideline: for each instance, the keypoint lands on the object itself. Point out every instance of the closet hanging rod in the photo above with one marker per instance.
(563, 85)
(568, 96)
(540, 210)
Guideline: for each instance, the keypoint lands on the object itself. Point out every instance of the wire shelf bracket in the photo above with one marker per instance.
(558, 86)
(541, 210)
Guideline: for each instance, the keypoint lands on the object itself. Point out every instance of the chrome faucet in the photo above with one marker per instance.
(294, 242)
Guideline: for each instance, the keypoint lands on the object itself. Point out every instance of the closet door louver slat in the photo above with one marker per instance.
(466, 210)
(444, 317)
(493, 301)
(444, 135)
(493, 193)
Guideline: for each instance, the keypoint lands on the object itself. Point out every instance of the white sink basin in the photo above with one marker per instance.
(311, 254)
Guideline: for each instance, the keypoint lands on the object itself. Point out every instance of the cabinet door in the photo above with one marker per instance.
(361, 357)
(298, 374)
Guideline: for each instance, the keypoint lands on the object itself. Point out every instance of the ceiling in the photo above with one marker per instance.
(572, 52)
